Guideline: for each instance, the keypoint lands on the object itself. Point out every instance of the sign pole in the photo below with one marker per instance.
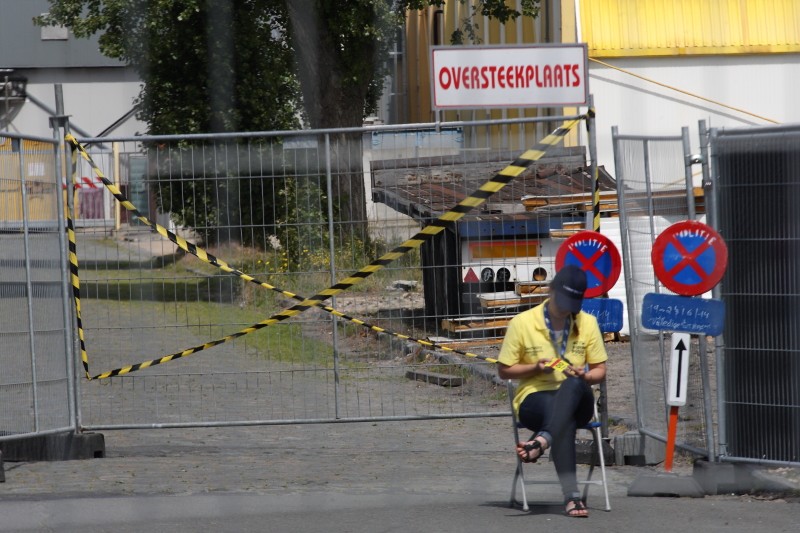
(676, 394)
(671, 431)
(689, 258)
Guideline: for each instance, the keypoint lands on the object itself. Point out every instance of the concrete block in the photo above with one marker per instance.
(666, 484)
(586, 452)
(715, 478)
(54, 447)
(633, 448)
(2, 471)
(736, 478)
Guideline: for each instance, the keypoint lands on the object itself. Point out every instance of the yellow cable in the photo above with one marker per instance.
(682, 91)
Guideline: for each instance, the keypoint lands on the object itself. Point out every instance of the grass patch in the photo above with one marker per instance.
(282, 342)
(191, 279)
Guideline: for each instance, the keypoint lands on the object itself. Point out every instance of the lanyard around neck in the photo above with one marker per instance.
(560, 350)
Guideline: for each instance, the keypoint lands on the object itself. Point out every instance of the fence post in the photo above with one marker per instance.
(712, 218)
(60, 124)
(29, 286)
(332, 248)
(591, 126)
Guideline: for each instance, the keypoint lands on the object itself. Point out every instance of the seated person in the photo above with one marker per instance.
(554, 403)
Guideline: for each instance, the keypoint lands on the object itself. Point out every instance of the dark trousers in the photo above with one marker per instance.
(559, 414)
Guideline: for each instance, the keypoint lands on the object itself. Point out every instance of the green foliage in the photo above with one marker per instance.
(255, 65)
(493, 9)
(237, 65)
(302, 227)
(227, 191)
(499, 10)
(226, 69)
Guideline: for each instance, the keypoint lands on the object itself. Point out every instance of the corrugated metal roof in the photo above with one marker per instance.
(624, 28)
(424, 188)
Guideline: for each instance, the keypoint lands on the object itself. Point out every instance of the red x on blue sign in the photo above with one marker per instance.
(689, 258)
(596, 255)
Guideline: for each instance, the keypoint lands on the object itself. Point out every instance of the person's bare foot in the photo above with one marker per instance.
(576, 508)
(530, 451)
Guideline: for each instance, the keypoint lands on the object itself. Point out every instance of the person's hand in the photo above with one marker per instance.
(582, 373)
(542, 368)
(579, 373)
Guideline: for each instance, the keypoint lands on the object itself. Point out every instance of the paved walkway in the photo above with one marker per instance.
(436, 475)
(440, 475)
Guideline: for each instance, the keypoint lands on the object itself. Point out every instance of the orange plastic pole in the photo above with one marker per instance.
(673, 427)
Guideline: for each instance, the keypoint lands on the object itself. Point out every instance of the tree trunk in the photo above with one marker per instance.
(329, 102)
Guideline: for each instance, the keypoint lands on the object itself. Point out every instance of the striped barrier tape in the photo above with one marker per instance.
(495, 184)
(73, 274)
(84, 183)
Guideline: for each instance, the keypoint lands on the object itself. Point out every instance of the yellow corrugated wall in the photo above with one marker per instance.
(40, 180)
(419, 39)
(625, 28)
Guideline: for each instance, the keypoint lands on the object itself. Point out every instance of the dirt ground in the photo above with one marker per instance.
(619, 382)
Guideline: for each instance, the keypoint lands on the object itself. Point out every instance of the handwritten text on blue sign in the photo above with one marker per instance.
(682, 313)
(607, 311)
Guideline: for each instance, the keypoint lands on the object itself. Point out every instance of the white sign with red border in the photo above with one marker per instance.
(467, 77)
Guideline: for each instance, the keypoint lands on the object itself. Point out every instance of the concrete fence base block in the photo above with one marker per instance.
(54, 447)
(2, 471)
(730, 478)
(666, 484)
(586, 452)
(635, 449)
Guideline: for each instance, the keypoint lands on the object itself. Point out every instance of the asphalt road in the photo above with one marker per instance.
(440, 475)
(325, 512)
(434, 475)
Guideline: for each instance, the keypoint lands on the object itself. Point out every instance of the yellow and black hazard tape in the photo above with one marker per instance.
(182, 243)
(209, 258)
(495, 184)
(268, 322)
(73, 271)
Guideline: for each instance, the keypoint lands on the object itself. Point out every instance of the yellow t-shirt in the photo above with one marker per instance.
(527, 341)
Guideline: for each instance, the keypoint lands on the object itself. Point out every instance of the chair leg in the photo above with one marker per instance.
(586, 485)
(598, 440)
(513, 500)
(519, 477)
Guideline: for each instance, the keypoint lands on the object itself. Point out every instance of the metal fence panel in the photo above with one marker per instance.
(284, 208)
(35, 380)
(755, 172)
(652, 189)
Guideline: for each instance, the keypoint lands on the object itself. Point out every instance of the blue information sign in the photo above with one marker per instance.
(682, 313)
(607, 311)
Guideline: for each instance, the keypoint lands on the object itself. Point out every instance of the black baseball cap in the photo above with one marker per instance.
(567, 288)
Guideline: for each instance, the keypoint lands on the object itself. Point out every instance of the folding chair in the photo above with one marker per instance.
(593, 427)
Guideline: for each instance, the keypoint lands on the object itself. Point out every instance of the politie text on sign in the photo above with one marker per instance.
(502, 76)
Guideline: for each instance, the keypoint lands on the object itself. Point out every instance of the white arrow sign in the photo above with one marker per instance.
(679, 369)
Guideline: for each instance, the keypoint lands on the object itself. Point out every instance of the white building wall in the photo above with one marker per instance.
(93, 99)
(765, 86)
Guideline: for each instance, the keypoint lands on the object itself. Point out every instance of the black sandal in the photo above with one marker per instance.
(578, 510)
(529, 447)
